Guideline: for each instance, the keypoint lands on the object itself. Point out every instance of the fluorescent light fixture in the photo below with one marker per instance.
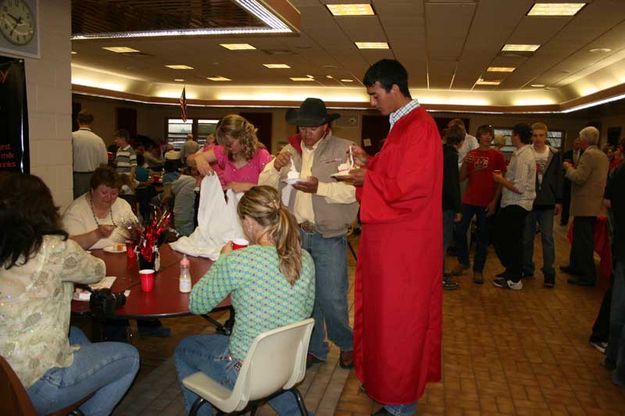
(179, 80)
(74, 53)
(276, 66)
(485, 82)
(517, 47)
(179, 66)
(600, 50)
(237, 46)
(594, 103)
(273, 25)
(304, 79)
(120, 49)
(329, 77)
(538, 85)
(500, 69)
(555, 9)
(350, 9)
(371, 45)
(347, 80)
(218, 78)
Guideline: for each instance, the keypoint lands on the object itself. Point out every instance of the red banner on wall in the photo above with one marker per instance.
(14, 154)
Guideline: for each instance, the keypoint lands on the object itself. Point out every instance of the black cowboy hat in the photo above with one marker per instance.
(312, 113)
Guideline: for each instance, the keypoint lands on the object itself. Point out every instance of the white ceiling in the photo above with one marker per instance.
(446, 45)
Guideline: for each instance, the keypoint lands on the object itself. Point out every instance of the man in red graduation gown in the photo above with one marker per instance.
(398, 293)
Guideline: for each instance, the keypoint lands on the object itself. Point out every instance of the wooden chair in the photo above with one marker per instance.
(14, 399)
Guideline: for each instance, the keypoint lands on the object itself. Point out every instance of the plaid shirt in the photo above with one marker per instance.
(402, 111)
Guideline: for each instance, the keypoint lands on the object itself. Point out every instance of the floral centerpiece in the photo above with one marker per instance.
(146, 239)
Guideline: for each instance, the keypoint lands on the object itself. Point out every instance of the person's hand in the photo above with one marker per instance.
(607, 203)
(458, 217)
(498, 177)
(238, 187)
(557, 209)
(308, 185)
(491, 208)
(357, 176)
(227, 248)
(104, 231)
(360, 156)
(283, 159)
(203, 167)
(566, 165)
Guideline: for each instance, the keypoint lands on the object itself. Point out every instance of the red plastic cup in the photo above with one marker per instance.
(130, 250)
(147, 279)
(239, 243)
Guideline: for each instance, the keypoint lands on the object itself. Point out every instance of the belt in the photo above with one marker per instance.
(308, 227)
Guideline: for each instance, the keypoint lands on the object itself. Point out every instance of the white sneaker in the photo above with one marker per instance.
(515, 286)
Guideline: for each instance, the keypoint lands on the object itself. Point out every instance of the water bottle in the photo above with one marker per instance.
(185, 276)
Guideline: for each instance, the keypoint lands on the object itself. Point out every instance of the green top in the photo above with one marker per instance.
(261, 296)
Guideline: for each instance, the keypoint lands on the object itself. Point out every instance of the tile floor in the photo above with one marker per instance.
(504, 353)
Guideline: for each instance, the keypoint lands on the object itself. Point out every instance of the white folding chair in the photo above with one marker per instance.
(276, 361)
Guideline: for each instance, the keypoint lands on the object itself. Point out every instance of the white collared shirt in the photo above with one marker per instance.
(522, 173)
(402, 111)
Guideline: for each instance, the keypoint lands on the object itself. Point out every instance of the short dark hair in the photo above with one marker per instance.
(84, 117)
(524, 131)
(122, 134)
(105, 175)
(388, 72)
(455, 135)
(27, 214)
(485, 128)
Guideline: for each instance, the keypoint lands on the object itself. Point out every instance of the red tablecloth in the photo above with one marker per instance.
(601, 236)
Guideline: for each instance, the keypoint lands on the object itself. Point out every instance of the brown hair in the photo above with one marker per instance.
(237, 127)
(263, 205)
(105, 176)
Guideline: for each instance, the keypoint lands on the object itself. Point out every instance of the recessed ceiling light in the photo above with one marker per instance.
(329, 77)
(350, 9)
(218, 78)
(307, 78)
(276, 66)
(237, 46)
(179, 66)
(538, 85)
(74, 53)
(600, 50)
(500, 69)
(347, 80)
(555, 9)
(120, 49)
(485, 82)
(371, 45)
(179, 80)
(518, 47)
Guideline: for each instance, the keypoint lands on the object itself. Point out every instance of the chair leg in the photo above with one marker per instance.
(300, 401)
(196, 406)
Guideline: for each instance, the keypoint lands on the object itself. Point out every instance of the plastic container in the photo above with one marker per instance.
(184, 284)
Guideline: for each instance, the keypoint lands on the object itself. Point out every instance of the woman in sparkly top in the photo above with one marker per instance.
(38, 268)
(93, 220)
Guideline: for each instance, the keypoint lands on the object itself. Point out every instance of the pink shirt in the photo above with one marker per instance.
(247, 173)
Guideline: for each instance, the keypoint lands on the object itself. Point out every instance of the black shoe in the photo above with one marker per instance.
(570, 270)
(549, 284)
(580, 282)
(311, 359)
(346, 359)
(382, 411)
(448, 284)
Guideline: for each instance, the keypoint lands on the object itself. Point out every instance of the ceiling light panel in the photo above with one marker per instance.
(371, 45)
(303, 79)
(237, 46)
(218, 78)
(555, 9)
(489, 82)
(500, 69)
(518, 47)
(179, 66)
(351, 9)
(120, 49)
(276, 66)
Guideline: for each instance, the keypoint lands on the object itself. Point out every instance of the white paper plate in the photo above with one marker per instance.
(115, 248)
(341, 175)
(291, 181)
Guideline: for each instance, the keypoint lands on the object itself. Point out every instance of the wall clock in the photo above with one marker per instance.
(19, 34)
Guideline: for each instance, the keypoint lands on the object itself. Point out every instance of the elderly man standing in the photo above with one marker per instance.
(588, 181)
(189, 147)
(398, 294)
(324, 209)
(89, 153)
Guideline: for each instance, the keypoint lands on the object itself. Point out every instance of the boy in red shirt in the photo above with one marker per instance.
(479, 200)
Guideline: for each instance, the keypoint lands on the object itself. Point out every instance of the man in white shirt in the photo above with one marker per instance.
(89, 153)
(324, 209)
(518, 194)
(469, 143)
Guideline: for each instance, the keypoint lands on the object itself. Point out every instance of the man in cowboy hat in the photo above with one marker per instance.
(324, 209)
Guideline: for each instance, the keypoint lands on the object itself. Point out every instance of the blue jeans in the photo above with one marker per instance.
(468, 211)
(106, 368)
(402, 409)
(448, 232)
(544, 218)
(210, 354)
(615, 353)
(331, 293)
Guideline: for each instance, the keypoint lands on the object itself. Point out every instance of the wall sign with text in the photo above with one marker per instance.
(14, 154)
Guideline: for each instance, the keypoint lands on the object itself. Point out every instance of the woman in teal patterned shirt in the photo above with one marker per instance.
(271, 283)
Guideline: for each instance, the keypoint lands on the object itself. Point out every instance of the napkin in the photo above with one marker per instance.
(292, 173)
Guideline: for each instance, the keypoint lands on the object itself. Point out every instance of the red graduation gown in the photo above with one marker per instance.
(398, 292)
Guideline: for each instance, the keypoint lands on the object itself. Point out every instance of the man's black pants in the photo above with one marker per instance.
(509, 239)
(581, 258)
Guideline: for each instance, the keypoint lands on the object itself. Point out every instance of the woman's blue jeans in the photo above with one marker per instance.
(210, 354)
(106, 368)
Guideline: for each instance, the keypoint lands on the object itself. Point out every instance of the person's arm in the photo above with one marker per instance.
(202, 160)
(464, 170)
(214, 286)
(104, 155)
(580, 173)
(88, 239)
(79, 266)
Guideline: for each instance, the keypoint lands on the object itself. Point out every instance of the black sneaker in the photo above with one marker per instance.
(549, 284)
(450, 285)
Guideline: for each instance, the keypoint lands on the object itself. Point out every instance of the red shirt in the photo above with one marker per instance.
(480, 166)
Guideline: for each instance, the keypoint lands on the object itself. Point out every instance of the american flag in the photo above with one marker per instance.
(183, 105)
